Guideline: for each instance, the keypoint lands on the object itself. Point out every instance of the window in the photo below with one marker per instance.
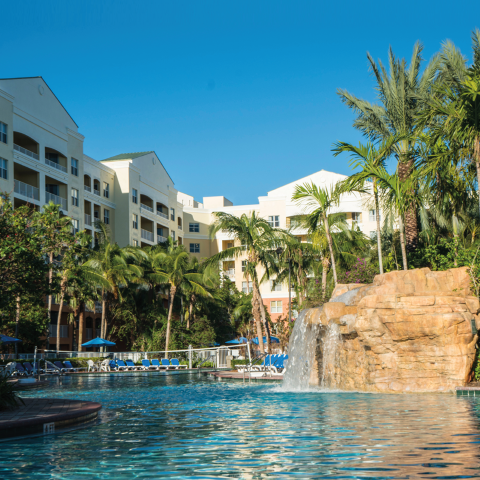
(274, 220)
(134, 195)
(135, 221)
(244, 265)
(276, 307)
(3, 132)
(135, 243)
(373, 235)
(229, 244)
(372, 215)
(75, 226)
(74, 167)
(74, 197)
(194, 227)
(160, 231)
(356, 217)
(3, 168)
(173, 235)
(276, 288)
(96, 214)
(53, 157)
(194, 248)
(244, 287)
(172, 214)
(106, 216)
(106, 190)
(52, 188)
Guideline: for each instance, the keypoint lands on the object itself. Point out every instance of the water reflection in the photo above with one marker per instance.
(191, 427)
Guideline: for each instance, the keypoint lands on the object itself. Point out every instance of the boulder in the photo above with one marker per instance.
(409, 331)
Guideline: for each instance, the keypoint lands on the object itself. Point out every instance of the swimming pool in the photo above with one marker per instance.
(190, 426)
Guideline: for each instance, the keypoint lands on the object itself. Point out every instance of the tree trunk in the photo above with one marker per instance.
(190, 311)
(405, 169)
(60, 309)
(325, 265)
(330, 247)
(476, 154)
(181, 309)
(81, 327)
(50, 279)
(402, 245)
(102, 324)
(257, 317)
(379, 239)
(17, 321)
(173, 290)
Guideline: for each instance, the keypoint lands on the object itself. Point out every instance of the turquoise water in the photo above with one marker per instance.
(189, 426)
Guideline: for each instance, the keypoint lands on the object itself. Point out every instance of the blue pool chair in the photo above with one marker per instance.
(69, 367)
(156, 364)
(176, 364)
(132, 366)
(147, 365)
(166, 363)
(121, 365)
(20, 369)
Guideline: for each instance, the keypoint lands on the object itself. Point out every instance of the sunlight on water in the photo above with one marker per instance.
(189, 426)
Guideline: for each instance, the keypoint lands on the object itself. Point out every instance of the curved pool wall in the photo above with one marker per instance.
(184, 426)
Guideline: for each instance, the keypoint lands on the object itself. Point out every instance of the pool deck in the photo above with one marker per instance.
(241, 376)
(45, 415)
(472, 389)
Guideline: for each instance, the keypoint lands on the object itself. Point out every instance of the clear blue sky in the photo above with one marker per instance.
(236, 97)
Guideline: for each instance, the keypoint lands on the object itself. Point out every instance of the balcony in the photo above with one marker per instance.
(53, 331)
(230, 272)
(88, 189)
(29, 153)
(55, 165)
(88, 220)
(50, 197)
(146, 207)
(179, 227)
(146, 235)
(161, 239)
(28, 191)
(163, 215)
(96, 192)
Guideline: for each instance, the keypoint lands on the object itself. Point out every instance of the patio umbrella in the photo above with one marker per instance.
(7, 340)
(272, 340)
(235, 341)
(98, 342)
(243, 340)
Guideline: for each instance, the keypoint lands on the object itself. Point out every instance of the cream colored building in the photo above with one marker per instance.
(42, 158)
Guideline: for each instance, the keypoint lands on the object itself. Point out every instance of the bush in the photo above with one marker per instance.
(8, 396)
(360, 272)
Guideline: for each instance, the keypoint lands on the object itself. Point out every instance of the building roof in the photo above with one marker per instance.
(43, 80)
(126, 156)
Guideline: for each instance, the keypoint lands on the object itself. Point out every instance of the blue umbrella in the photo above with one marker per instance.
(97, 342)
(272, 340)
(235, 341)
(243, 340)
(6, 340)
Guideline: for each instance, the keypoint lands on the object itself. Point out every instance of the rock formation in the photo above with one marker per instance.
(409, 331)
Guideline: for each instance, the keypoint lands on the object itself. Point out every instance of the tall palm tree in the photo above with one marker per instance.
(171, 267)
(257, 240)
(402, 93)
(364, 157)
(317, 203)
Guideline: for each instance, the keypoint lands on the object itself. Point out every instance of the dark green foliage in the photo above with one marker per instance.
(360, 272)
(8, 395)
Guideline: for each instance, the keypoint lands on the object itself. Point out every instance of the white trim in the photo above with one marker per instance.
(30, 118)
(6, 95)
(76, 135)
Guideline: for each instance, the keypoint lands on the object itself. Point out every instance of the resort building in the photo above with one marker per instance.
(42, 159)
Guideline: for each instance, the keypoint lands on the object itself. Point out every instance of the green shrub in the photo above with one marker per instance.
(8, 396)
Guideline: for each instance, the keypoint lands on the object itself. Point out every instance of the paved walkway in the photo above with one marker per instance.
(45, 415)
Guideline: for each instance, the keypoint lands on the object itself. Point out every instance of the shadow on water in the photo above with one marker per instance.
(196, 427)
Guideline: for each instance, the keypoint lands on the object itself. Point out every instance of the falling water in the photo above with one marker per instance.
(301, 354)
(330, 342)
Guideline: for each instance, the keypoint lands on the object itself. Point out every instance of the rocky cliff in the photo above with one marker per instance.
(409, 331)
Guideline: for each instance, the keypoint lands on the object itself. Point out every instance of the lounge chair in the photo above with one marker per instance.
(70, 368)
(51, 368)
(28, 367)
(147, 365)
(121, 365)
(166, 364)
(21, 370)
(131, 365)
(105, 365)
(279, 367)
(9, 370)
(176, 364)
(92, 366)
(59, 365)
(156, 363)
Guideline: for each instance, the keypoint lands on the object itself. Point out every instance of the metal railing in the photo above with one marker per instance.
(56, 200)
(87, 188)
(146, 235)
(29, 153)
(96, 192)
(229, 272)
(53, 331)
(56, 165)
(88, 219)
(161, 214)
(161, 239)
(179, 227)
(146, 207)
(26, 190)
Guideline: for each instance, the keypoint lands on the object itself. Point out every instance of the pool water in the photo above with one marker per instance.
(194, 426)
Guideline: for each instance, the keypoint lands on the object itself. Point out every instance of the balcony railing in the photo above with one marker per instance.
(87, 188)
(88, 219)
(26, 190)
(146, 207)
(230, 272)
(52, 330)
(96, 192)
(56, 200)
(146, 235)
(29, 153)
(179, 227)
(56, 165)
(161, 214)
(161, 239)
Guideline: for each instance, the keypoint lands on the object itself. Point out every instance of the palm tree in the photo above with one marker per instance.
(317, 203)
(402, 93)
(453, 112)
(171, 266)
(257, 240)
(365, 157)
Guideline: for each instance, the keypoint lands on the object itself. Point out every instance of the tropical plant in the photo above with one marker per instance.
(8, 394)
